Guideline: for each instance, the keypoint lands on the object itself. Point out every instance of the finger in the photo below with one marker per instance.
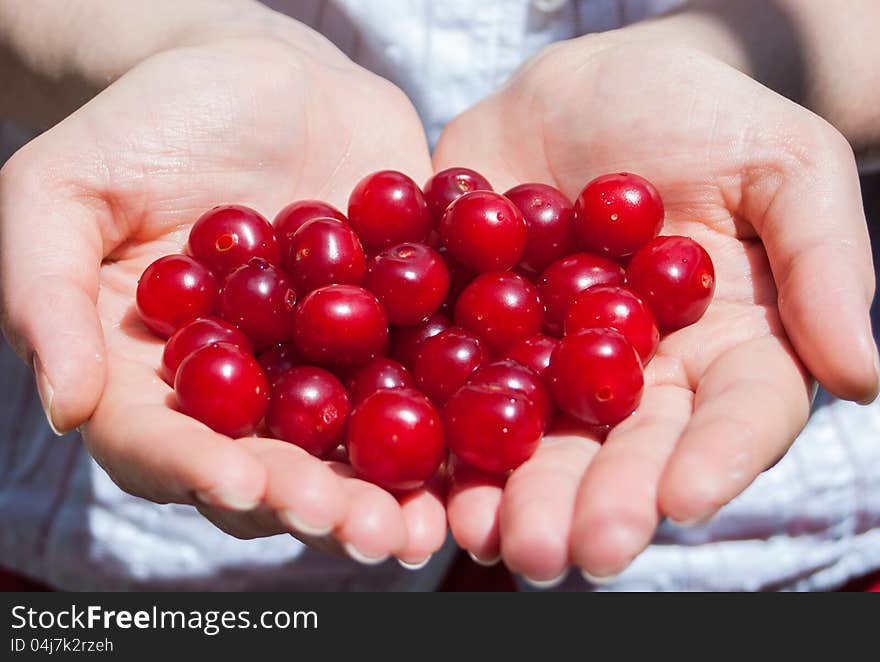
(425, 517)
(538, 504)
(813, 226)
(473, 507)
(152, 451)
(304, 492)
(263, 522)
(749, 407)
(50, 255)
(245, 525)
(615, 512)
(374, 527)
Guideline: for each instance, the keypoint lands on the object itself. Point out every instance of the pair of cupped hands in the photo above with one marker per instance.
(769, 189)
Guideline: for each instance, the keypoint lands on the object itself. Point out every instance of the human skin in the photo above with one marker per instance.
(240, 105)
(195, 93)
(770, 189)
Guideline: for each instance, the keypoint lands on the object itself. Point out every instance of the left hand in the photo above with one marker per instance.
(772, 192)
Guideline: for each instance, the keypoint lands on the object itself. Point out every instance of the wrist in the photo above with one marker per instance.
(749, 36)
(52, 61)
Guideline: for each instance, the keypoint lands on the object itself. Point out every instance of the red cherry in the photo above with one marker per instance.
(278, 359)
(614, 307)
(388, 208)
(222, 386)
(259, 299)
(675, 277)
(395, 439)
(195, 335)
(340, 325)
(459, 278)
(380, 373)
(324, 252)
(534, 353)
(501, 308)
(296, 214)
(173, 291)
(226, 237)
(447, 186)
(491, 428)
(548, 215)
(406, 340)
(509, 375)
(411, 281)
(309, 408)
(615, 215)
(563, 279)
(484, 231)
(596, 376)
(445, 362)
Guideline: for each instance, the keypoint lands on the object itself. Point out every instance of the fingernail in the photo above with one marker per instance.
(294, 522)
(546, 583)
(46, 392)
(598, 581)
(693, 521)
(874, 395)
(814, 391)
(220, 498)
(360, 557)
(415, 566)
(487, 563)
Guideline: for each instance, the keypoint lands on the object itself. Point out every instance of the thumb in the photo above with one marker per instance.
(816, 236)
(50, 256)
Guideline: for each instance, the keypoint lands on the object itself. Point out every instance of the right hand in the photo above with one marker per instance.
(246, 118)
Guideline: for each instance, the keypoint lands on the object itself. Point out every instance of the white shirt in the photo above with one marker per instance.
(811, 522)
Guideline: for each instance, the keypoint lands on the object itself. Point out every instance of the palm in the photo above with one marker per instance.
(258, 124)
(724, 397)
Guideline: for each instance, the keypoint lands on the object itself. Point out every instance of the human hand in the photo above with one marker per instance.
(772, 192)
(246, 117)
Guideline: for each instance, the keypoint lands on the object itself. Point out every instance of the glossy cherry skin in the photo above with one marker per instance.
(615, 307)
(508, 375)
(380, 373)
(548, 215)
(340, 325)
(563, 279)
(492, 428)
(534, 353)
(406, 340)
(615, 215)
(596, 376)
(501, 308)
(195, 335)
(459, 278)
(309, 408)
(395, 439)
(260, 300)
(173, 291)
(278, 359)
(226, 237)
(224, 387)
(484, 231)
(388, 208)
(676, 278)
(411, 281)
(324, 252)
(296, 214)
(445, 363)
(447, 186)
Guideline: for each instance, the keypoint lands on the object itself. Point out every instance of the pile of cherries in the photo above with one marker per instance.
(451, 318)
